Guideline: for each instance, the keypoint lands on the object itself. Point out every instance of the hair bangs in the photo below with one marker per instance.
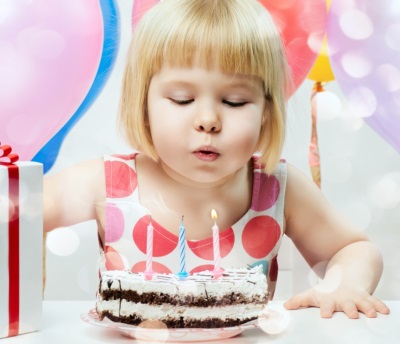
(213, 37)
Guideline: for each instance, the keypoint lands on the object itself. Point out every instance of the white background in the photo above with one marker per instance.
(360, 176)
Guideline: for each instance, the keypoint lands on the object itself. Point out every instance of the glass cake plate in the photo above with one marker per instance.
(165, 334)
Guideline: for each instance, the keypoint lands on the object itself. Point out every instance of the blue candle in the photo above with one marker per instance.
(182, 255)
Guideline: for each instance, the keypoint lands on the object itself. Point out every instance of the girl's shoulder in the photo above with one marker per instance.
(121, 157)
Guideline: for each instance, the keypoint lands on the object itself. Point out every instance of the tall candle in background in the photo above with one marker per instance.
(149, 251)
(182, 251)
(217, 256)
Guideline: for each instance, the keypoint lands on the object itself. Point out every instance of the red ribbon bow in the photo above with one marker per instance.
(6, 157)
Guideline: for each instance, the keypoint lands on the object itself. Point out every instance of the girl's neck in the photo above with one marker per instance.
(220, 188)
(168, 198)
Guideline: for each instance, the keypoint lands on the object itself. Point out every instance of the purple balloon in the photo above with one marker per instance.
(364, 47)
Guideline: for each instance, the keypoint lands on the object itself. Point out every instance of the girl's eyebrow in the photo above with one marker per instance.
(232, 81)
(242, 82)
(176, 83)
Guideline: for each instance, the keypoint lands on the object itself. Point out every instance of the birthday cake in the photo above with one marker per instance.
(198, 301)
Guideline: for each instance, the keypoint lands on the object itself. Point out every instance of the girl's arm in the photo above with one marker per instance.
(73, 195)
(350, 266)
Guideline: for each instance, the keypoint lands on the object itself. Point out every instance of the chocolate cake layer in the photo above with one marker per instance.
(188, 300)
(179, 322)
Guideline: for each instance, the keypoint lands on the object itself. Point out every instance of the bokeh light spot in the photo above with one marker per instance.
(362, 102)
(356, 24)
(392, 36)
(389, 76)
(62, 241)
(329, 106)
(275, 319)
(356, 64)
(329, 285)
(385, 193)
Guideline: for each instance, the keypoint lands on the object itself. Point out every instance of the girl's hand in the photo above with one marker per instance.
(348, 300)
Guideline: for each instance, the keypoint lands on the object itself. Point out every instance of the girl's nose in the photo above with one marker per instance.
(208, 122)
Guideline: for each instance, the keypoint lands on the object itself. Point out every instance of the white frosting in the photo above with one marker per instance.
(241, 281)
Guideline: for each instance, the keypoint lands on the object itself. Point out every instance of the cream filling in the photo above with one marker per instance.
(166, 311)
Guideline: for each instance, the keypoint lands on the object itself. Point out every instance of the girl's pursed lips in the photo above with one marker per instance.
(206, 153)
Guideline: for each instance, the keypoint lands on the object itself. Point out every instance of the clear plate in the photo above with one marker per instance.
(168, 335)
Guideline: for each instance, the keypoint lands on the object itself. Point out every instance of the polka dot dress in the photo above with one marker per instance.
(253, 240)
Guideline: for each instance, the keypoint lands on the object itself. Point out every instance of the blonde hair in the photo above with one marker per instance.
(238, 36)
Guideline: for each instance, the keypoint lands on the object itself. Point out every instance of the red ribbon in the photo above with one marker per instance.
(7, 158)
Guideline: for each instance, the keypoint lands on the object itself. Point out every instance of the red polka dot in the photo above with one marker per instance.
(164, 242)
(201, 268)
(113, 259)
(157, 267)
(260, 235)
(121, 179)
(266, 193)
(273, 270)
(204, 248)
(114, 223)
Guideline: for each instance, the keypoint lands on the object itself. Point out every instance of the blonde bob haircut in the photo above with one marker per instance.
(237, 36)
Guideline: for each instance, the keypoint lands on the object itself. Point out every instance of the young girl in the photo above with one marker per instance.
(203, 104)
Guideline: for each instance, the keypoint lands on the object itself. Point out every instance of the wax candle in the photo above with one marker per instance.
(182, 251)
(217, 256)
(149, 251)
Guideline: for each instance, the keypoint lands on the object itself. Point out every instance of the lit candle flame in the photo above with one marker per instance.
(214, 214)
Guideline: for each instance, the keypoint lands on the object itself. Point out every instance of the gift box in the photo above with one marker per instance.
(21, 245)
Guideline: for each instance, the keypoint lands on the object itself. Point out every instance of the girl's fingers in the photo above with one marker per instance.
(367, 308)
(368, 305)
(327, 309)
(350, 309)
(301, 300)
(380, 306)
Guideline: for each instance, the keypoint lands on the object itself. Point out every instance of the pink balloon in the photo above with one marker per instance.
(49, 55)
(140, 7)
(364, 45)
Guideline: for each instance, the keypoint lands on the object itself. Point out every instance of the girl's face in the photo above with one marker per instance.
(204, 124)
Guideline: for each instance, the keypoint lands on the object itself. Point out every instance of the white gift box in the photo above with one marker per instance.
(21, 247)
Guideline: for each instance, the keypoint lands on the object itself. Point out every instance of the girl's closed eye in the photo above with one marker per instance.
(181, 101)
(234, 103)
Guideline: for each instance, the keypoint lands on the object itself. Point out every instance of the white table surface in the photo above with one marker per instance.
(62, 324)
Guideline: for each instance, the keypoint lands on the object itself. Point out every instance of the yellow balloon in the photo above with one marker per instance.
(321, 70)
